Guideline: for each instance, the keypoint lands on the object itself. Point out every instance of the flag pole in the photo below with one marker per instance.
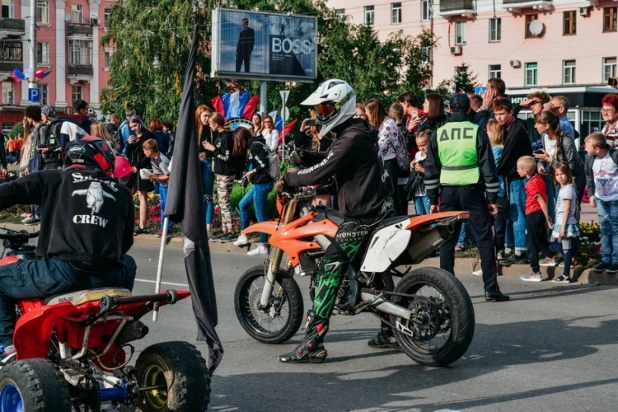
(155, 310)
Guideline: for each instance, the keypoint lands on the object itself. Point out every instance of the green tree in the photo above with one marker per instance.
(466, 80)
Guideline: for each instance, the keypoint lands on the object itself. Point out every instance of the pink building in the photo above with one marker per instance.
(572, 50)
(67, 42)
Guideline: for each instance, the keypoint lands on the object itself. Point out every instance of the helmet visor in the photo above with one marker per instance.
(329, 110)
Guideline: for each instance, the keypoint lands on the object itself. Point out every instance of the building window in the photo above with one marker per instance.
(44, 94)
(495, 71)
(495, 30)
(76, 93)
(107, 56)
(529, 19)
(8, 92)
(425, 10)
(77, 14)
(340, 14)
(7, 9)
(531, 74)
(369, 16)
(42, 53)
(568, 72)
(12, 52)
(569, 19)
(609, 18)
(396, 17)
(42, 12)
(80, 52)
(460, 32)
(609, 68)
(107, 14)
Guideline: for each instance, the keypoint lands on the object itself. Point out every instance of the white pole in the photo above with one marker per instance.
(155, 311)
(264, 98)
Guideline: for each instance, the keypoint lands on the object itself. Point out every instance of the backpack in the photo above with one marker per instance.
(274, 163)
(402, 155)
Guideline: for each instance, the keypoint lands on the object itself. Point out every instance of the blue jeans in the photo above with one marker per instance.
(40, 278)
(162, 202)
(608, 219)
(517, 214)
(208, 184)
(257, 195)
(421, 203)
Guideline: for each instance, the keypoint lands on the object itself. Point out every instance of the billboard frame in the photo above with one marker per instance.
(216, 72)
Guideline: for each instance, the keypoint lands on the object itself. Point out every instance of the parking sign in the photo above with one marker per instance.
(34, 95)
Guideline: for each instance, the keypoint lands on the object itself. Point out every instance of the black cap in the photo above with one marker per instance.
(459, 99)
(50, 112)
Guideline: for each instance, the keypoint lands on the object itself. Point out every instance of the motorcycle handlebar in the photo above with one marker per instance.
(12, 234)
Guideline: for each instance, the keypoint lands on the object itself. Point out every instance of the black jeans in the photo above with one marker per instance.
(472, 200)
(40, 278)
(536, 238)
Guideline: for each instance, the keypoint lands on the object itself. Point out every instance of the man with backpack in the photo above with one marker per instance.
(51, 145)
(124, 129)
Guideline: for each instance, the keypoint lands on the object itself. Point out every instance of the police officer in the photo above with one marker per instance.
(460, 169)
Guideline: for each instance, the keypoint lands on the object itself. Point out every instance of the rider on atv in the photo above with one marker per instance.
(86, 230)
(363, 201)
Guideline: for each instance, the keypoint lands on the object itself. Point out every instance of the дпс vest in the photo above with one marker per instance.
(458, 154)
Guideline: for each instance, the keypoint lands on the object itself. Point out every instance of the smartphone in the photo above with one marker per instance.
(310, 122)
(539, 151)
(612, 82)
(415, 114)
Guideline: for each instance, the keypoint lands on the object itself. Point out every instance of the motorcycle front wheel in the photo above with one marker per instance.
(443, 325)
(281, 318)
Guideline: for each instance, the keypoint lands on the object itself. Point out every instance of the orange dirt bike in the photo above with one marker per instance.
(429, 310)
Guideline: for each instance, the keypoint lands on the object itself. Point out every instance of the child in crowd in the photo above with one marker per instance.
(496, 138)
(160, 173)
(537, 215)
(602, 182)
(565, 230)
(417, 184)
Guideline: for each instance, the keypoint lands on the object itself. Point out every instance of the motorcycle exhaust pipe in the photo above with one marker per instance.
(419, 249)
(132, 331)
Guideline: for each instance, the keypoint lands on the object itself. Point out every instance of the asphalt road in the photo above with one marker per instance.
(552, 348)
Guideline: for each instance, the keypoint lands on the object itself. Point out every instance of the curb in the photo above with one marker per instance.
(462, 265)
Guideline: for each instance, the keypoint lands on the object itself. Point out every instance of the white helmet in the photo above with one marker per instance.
(334, 101)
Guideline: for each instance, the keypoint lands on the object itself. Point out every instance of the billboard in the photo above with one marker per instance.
(263, 46)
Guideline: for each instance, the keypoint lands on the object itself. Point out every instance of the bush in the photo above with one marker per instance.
(238, 192)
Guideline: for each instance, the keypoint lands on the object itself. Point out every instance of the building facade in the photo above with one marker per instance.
(67, 43)
(566, 47)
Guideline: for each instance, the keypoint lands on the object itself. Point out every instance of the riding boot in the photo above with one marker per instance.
(311, 349)
(384, 338)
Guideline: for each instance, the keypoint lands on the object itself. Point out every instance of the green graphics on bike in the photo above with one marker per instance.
(332, 270)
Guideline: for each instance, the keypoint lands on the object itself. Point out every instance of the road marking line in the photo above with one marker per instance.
(163, 283)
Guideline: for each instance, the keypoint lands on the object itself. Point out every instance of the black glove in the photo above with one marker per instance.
(296, 158)
(282, 186)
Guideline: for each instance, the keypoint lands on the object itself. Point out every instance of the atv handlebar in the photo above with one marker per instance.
(22, 234)
(108, 303)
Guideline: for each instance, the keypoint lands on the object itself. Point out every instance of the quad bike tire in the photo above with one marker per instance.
(36, 384)
(461, 312)
(180, 371)
(246, 314)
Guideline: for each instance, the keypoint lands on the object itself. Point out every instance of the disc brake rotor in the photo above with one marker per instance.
(431, 317)
(265, 315)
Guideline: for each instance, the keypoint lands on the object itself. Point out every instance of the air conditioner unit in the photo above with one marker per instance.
(515, 63)
(584, 11)
(94, 21)
(456, 50)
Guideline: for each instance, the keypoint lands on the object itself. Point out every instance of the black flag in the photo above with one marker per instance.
(185, 206)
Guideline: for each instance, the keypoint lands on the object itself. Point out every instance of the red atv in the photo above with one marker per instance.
(73, 351)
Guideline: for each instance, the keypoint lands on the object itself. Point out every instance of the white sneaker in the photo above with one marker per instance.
(478, 272)
(241, 241)
(260, 250)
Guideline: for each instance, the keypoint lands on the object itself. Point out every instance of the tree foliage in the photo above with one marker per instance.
(466, 80)
(147, 32)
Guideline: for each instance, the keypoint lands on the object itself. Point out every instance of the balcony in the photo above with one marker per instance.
(516, 6)
(7, 66)
(12, 27)
(81, 70)
(457, 8)
(79, 30)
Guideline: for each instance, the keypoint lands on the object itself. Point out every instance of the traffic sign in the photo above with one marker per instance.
(34, 95)
(284, 96)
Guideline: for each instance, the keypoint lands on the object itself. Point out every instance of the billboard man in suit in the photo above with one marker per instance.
(246, 41)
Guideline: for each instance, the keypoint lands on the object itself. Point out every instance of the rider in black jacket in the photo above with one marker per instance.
(86, 231)
(363, 201)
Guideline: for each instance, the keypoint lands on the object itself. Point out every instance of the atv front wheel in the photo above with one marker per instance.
(34, 385)
(172, 376)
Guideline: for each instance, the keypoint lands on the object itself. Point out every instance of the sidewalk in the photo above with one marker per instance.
(462, 265)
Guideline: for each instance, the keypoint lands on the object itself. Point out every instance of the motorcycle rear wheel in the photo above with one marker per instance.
(448, 323)
(286, 295)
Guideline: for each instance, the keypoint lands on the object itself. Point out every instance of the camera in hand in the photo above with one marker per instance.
(310, 122)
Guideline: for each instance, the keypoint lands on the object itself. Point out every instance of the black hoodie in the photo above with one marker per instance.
(257, 159)
(354, 160)
(87, 217)
(225, 163)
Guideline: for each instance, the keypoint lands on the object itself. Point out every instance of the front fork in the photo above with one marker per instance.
(277, 256)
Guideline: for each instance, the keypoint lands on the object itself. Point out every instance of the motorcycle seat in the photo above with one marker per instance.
(84, 296)
(391, 221)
